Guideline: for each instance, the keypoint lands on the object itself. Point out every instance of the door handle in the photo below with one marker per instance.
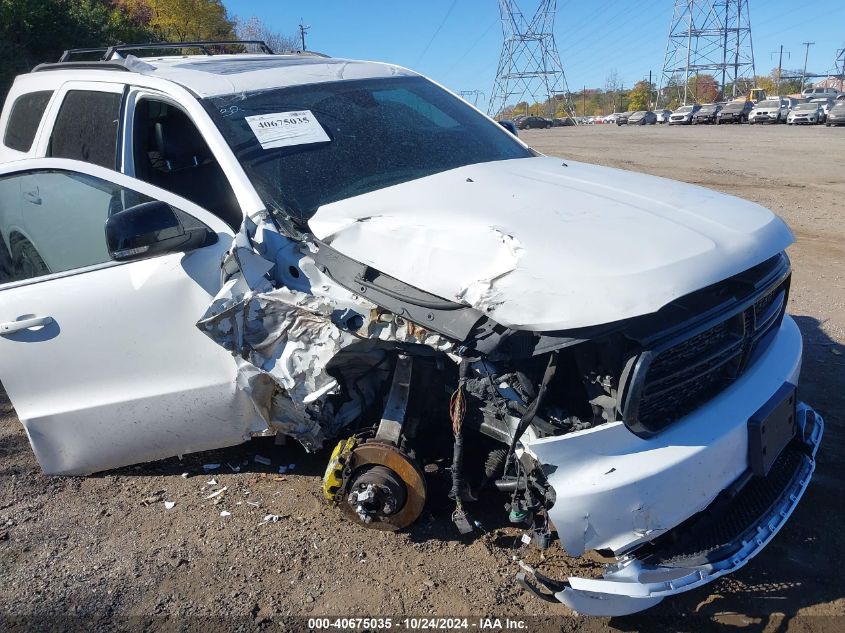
(32, 196)
(24, 324)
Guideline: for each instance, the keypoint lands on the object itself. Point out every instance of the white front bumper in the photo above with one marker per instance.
(616, 490)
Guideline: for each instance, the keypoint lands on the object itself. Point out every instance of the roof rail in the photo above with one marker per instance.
(114, 65)
(108, 52)
(79, 51)
(203, 45)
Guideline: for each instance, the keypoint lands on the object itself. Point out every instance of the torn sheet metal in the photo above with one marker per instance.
(309, 352)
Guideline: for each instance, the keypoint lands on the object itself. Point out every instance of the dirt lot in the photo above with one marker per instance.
(105, 549)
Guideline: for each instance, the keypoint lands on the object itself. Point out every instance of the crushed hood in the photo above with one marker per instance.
(540, 244)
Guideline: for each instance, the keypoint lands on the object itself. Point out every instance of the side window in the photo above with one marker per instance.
(86, 128)
(54, 221)
(24, 118)
(170, 152)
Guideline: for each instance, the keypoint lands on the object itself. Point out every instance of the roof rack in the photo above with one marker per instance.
(204, 45)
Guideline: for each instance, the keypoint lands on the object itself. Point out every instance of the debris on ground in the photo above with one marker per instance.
(217, 493)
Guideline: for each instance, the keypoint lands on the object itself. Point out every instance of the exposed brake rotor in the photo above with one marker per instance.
(386, 489)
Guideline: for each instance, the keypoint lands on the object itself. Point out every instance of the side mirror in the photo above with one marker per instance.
(151, 228)
(510, 126)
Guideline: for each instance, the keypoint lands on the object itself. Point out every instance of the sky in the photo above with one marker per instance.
(458, 42)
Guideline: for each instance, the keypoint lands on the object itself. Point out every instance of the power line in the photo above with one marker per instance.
(474, 44)
(431, 41)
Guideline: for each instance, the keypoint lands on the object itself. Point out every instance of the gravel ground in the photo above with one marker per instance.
(105, 549)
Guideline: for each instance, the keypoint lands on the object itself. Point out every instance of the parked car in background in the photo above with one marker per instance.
(811, 93)
(663, 116)
(565, 122)
(836, 116)
(533, 122)
(622, 119)
(642, 117)
(611, 118)
(706, 114)
(735, 112)
(808, 113)
(770, 111)
(683, 115)
(826, 104)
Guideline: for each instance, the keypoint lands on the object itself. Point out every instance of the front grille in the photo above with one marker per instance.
(674, 377)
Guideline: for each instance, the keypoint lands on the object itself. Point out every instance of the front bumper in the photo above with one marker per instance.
(635, 584)
(616, 491)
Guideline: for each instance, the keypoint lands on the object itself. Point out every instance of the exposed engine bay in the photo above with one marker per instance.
(329, 347)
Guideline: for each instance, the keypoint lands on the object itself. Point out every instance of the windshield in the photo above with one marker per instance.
(707, 108)
(684, 109)
(839, 107)
(368, 134)
(734, 106)
(769, 104)
(807, 106)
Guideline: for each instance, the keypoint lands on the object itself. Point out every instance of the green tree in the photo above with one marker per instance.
(36, 31)
(186, 20)
(640, 96)
(703, 89)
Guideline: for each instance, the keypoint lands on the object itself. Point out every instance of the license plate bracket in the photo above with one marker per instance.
(770, 429)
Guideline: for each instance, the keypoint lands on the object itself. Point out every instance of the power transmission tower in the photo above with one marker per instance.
(471, 96)
(529, 66)
(708, 37)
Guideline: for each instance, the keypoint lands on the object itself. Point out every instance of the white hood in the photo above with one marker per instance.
(540, 245)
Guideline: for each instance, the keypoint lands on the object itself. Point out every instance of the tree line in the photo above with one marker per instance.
(643, 95)
(36, 31)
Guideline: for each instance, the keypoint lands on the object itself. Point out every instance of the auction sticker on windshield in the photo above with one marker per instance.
(283, 129)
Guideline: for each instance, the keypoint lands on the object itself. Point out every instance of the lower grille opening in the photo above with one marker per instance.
(716, 533)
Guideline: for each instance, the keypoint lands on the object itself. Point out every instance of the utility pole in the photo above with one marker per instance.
(649, 90)
(806, 54)
(584, 100)
(780, 67)
(303, 29)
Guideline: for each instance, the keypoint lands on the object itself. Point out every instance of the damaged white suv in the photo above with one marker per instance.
(198, 249)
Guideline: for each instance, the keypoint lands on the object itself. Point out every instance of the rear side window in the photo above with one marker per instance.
(86, 128)
(24, 119)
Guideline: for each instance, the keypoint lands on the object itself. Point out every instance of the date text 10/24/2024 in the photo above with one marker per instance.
(417, 624)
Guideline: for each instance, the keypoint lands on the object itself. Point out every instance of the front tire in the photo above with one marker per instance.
(26, 262)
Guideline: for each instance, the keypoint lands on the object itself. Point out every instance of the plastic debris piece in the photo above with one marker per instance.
(260, 459)
(291, 466)
(234, 469)
(257, 504)
(217, 492)
(211, 482)
(270, 518)
(168, 505)
(210, 467)
(185, 475)
(225, 513)
(283, 470)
